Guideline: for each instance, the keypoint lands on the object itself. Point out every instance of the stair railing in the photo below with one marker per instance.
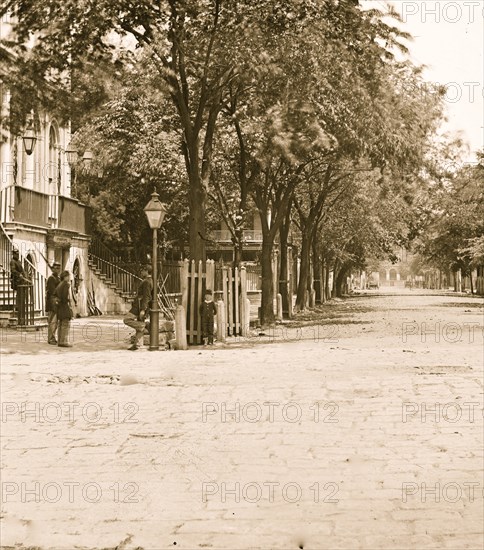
(37, 279)
(6, 247)
(124, 281)
(109, 266)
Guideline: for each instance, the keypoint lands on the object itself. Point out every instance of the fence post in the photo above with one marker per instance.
(191, 313)
(198, 300)
(236, 299)
(230, 298)
(31, 304)
(180, 328)
(210, 275)
(247, 315)
(23, 306)
(244, 320)
(184, 283)
(225, 296)
(221, 322)
(279, 307)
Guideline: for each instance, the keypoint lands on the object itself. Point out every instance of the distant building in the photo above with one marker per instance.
(221, 246)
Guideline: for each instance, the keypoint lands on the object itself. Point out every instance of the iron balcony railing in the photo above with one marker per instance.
(248, 235)
(30, 207)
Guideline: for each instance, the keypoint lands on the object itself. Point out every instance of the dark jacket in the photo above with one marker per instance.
(17, 274)
(143, 297)
(50, 300)
(64, 310)
(207, 310)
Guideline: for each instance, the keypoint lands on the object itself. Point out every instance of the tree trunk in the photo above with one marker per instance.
(238, 247)
(340, 279)
(196, 198)
(457, 286)
(301, 296)
(336, 271)
(283, 273)
(310, 282)
(267, 299)
(323, 281)
(327, 290)
(317, 271)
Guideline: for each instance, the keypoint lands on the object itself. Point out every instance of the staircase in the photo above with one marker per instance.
(7, 299)
(8, 315)
(111, 271)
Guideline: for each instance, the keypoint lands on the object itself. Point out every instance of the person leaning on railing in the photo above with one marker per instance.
(17, 272)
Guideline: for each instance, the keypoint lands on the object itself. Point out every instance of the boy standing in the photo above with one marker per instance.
(208, 310)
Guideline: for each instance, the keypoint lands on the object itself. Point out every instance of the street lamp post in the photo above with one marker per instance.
(29, 140)
(71, 156)
(155, 212)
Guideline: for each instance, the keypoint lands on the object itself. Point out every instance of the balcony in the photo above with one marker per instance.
(26, 206)
(73, 216)
(29, 207)
(250, 236)
(221, 236)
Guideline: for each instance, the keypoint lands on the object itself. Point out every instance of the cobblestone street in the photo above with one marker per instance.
(362, 431)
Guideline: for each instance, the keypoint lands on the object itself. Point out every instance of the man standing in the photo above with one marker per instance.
(64, 311)
(139, 310)
(17, 272)
(51, 303)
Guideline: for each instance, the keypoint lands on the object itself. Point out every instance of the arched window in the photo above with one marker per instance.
(53, 171)
(29, 264)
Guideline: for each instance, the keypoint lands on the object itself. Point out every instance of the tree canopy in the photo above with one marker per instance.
(304, 110)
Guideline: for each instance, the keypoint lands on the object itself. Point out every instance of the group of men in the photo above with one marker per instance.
(57, 299)
(59, 312)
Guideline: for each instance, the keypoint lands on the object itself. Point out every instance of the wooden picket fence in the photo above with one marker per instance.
(227, 284)
(231, 288)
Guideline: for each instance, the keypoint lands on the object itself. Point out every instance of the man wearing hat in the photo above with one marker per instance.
(140, 308)
(17, 273)
(51, 303)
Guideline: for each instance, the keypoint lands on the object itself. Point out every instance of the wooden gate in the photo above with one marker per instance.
(196, 278)
(231, 288)
(228, 285)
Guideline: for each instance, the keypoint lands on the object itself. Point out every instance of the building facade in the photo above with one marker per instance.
(38, 215)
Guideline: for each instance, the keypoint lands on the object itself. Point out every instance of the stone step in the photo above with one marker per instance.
(38, 325)
(40, 321)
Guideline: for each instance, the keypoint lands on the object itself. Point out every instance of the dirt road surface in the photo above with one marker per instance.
(359, 426)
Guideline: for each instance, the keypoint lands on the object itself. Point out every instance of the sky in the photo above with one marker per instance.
(449, 41)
